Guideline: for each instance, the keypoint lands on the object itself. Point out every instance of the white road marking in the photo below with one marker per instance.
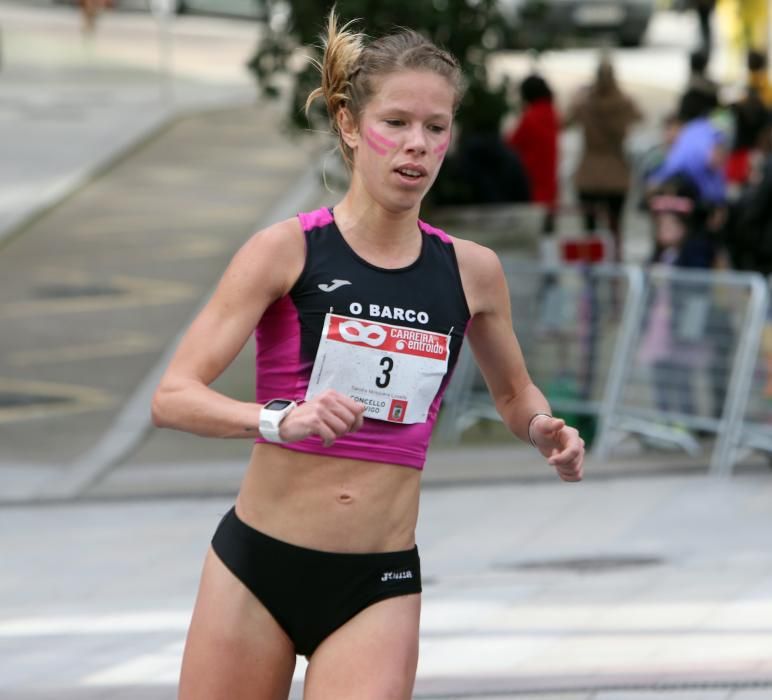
(159, 668)
(74, 625)
(471, 636)
(70, 399)
(127, 344)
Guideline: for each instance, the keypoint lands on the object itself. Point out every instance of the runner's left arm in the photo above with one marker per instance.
(494, 344)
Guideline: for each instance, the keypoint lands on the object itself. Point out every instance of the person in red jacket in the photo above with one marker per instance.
(535, 140)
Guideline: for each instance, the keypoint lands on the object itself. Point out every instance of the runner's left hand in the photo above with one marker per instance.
(560, 444)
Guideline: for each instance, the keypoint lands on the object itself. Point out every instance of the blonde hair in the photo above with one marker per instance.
(350, 67)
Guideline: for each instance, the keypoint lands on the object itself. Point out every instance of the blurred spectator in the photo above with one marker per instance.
(681, 231)
(535, 140)
(481, 170)
(605, 115)
(492, 173)
(698, 75)
(758, 76)
(653, 158)
(90, 10)
(751, 233)
(750, 117)
(699, 151)
(673, 343)
(704, 10)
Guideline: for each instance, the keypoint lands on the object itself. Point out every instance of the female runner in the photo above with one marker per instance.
(359, 313)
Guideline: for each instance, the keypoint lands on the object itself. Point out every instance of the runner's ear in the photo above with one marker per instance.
(348, 128)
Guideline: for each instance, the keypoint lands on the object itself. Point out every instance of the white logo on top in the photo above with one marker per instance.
(355, 332)
(335, 284)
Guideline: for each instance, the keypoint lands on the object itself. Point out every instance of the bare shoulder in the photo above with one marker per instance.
(481, 274)
(272, 257)
(475, 260)
(283, 239)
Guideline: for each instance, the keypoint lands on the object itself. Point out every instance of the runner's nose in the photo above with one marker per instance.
(416, 140)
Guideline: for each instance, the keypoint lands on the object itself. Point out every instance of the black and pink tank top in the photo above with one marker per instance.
(389, 338)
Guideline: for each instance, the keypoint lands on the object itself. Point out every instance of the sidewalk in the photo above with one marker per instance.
(70, 106)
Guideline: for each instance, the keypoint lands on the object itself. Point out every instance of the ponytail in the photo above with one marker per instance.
(342, 50)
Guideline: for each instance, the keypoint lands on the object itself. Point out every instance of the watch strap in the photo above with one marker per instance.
(270, 420)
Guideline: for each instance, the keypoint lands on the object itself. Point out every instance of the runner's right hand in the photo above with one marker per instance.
(329, 415)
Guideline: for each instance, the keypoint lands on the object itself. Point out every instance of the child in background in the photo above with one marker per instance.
(670, 344)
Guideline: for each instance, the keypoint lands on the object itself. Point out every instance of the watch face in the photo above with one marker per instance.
(277, 404)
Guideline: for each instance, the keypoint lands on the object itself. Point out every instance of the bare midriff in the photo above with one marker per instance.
(329, 503)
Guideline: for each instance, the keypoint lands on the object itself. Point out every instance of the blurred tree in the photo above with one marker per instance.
(469, 29)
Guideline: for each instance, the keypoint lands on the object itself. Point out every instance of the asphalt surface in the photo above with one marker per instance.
(628, 588)
(133, 179)
(166, 176)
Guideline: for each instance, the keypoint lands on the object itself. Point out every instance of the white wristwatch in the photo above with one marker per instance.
(271, 416)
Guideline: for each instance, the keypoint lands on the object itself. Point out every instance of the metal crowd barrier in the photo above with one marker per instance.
(754, 414)
(695, 340)
(667, 357)
(572, 323)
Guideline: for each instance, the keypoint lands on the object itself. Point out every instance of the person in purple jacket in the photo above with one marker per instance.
(699, 152)
(359, 313)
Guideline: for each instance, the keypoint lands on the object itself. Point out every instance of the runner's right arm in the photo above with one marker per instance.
(262, 271)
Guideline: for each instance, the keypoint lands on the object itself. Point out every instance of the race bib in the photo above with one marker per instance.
(394, 372)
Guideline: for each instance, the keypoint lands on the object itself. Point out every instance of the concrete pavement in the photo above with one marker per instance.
(649, 580)
(624, 589)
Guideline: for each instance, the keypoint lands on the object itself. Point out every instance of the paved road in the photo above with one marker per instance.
(95, 290)
(637, 582)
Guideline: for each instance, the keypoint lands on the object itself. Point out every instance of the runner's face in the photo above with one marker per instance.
(402, 137)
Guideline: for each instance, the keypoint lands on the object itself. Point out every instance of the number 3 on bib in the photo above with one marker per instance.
(395, 372)
(383, 381)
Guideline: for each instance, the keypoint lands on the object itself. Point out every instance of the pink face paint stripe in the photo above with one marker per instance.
(380, 151)
(442, 147)
(381, 139)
